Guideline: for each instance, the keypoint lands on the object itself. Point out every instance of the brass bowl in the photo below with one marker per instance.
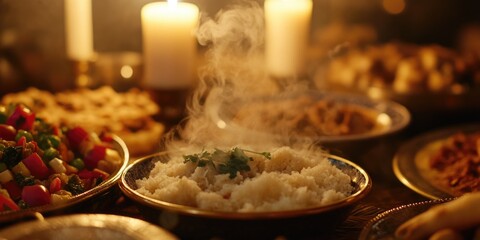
(86, 226)
(95, 198)
(194, 223)
(388, 119)
(448, 107)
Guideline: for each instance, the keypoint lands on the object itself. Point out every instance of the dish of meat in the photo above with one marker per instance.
(441, 163)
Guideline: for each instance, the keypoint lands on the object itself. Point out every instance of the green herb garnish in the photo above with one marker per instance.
(231, 162)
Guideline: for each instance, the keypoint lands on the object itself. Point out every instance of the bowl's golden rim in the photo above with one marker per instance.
(408, 151)
(192, 211)
(403, 179)
(102, 188)
(366, 230)
(131, 228)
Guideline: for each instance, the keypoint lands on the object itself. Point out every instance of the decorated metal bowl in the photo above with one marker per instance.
(193, 222)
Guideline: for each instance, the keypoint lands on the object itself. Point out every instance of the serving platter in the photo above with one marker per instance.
(411, 166)
(86, 226)
(96, 197)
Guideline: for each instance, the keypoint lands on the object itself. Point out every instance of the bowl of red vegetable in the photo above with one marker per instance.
(51, 169)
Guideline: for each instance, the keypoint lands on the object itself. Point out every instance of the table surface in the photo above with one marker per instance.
(387, 192)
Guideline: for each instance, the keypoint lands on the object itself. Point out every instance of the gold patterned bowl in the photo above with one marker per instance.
(86, 226)
(95, 198)
(190, 222)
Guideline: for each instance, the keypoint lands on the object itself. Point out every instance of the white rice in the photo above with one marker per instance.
(287, 181)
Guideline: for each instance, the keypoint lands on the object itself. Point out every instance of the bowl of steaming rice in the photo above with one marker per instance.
(346, 124)
(242, 194)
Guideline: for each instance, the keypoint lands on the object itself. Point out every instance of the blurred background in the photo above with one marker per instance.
(32, 32)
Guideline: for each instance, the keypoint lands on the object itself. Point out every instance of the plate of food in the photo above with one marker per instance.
(129, 115)
(347, 124)
(441, 163)
(424, 78)
(244, 193)
(48, 169)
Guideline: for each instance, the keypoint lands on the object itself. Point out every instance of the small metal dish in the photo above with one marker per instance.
(384, 225)
(194, 223)
(95, 198)
(388, 118)
(86, 226)
(448, 107)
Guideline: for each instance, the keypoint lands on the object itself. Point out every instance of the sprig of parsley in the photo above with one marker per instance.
(231, 162)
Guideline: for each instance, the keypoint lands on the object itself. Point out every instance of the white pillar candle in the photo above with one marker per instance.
(169, 44)
(79, 29)
(287, 27)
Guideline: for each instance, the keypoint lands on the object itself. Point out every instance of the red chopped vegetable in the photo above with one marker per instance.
(96, 154)
(22, 141)
(56, 130)
(55, 185)
(76, 136)
(29, 145)
(13, 189)
(36, 166)
(105, 137)
(36, 195)
(7, 132)
(91, 174)
(7, 203)
(21, 118)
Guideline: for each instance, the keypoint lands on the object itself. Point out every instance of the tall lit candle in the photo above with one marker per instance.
(79, 29)
(169, 44)
(287, 27)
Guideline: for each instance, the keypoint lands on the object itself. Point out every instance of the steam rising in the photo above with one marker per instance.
(234, 70)
(236, 43)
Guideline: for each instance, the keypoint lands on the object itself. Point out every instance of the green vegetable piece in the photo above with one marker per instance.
(201, 159)
(3, 117)
(54, 140)
(43, 142)
(23, 133)
(42, 127)
(3, 167)
(78, 163)
(238, 162)
(230, 162)
(50, 154)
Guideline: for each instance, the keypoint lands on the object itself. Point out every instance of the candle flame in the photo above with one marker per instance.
(172, 3)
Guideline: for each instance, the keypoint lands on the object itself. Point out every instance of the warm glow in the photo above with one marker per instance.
(126, 71)
(384, 119)
(169, 43)
(394, 6)
(221, 124)
(172, 3)
(287, 26)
